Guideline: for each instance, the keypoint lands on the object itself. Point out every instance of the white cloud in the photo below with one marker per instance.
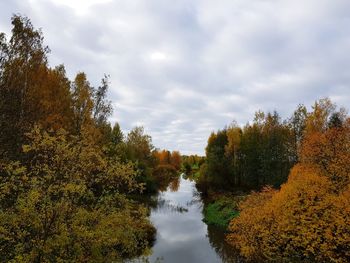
(80, 7)
(185, 69)
(158, 56)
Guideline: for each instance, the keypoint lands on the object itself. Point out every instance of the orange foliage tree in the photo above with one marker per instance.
(166, 157)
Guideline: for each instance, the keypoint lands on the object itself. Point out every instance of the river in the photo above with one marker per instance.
(182, 236)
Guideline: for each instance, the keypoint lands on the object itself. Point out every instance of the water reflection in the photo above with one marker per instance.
(182, 236)
(166, 205)
(174, 184)
(217, 240)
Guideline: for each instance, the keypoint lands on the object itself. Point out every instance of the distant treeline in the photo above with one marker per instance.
(262, 152)
(192, 163)
(65, 172)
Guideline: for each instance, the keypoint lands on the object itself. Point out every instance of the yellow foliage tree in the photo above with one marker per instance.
(304, 221)
(67, 203)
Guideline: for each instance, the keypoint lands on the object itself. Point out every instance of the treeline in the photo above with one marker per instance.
(192, 163)
(65, 173)
(261, 153)
(308, 218)
(155, 167)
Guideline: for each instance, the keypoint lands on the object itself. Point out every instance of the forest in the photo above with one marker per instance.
(72, 184)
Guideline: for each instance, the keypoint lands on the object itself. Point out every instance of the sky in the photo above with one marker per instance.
(183, 69)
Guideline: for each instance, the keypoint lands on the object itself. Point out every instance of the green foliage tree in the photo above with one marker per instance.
(297, 124)
(139, 148)
(218, 164)
(259, 154)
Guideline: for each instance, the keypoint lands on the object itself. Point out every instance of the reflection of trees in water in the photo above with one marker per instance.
(166, 180)
(175, 184)
(145, 259)
(194, 202)
(189, 176)
(196, 199)
(227, 253)
(166, 205)
(163, 185)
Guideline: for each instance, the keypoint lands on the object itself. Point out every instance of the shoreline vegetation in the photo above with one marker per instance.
(72, 185)
(294, 176)
(67, 177)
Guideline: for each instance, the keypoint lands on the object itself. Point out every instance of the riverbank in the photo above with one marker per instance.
(221, 207)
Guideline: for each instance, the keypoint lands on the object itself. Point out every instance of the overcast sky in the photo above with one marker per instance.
(185, 68)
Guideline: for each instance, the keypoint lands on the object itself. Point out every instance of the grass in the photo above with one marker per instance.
(221, 211)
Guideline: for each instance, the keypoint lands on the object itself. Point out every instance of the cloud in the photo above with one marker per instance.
(185, 69)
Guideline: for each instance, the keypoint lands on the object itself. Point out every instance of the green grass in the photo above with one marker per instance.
(220, 212)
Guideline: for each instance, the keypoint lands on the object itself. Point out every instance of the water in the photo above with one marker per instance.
(182, 236)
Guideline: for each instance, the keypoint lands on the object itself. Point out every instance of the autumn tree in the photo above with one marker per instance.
(68, 203)
(82, 103)
(55, 100)
(23, 59)
(330, 152)
(175, 159)
(303, 222)
(30, 92)
(163, 157)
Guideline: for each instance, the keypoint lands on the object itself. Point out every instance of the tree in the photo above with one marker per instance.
(217, 163)
(117, 135)
(163, 157)
(232, 151)
(250, 228)
(297, 125)
(317, 120)
(329, 151)
(55, 100)
(251, 147)
(175, 160)
(82, 103)
(23, 59)
(68, 203)
(139, 145)
(102, 107)
(274, 156)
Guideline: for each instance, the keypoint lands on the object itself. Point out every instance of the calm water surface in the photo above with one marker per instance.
(182, 236)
